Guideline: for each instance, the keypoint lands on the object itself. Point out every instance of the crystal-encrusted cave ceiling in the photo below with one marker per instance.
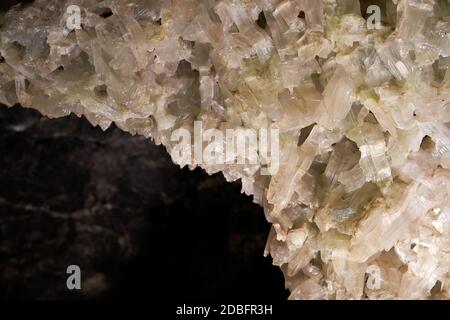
(356, 94)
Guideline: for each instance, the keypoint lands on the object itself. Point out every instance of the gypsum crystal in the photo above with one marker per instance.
(360, 205)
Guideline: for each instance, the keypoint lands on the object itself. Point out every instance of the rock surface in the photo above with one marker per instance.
(360, 204)
(106, 201)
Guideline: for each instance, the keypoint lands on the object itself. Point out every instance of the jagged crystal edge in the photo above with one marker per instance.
(360, 205)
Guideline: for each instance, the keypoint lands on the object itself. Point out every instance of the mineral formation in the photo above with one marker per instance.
(358, 91)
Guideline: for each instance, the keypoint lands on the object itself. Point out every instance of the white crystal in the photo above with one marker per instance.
(363, 113)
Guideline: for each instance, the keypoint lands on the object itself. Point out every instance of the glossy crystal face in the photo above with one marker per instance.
(334, 114)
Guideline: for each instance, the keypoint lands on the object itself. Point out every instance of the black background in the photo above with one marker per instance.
(117, 206)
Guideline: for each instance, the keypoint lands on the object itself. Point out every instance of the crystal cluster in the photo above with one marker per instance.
(360, 205)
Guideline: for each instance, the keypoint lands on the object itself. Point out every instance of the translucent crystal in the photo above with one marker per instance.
(360, 203)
